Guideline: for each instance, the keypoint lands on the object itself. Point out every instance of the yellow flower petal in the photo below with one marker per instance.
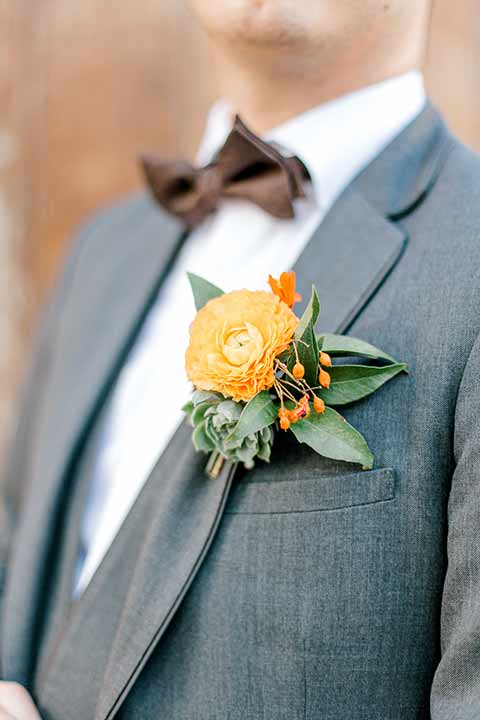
(234, 340)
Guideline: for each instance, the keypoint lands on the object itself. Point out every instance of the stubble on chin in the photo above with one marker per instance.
(267, 23)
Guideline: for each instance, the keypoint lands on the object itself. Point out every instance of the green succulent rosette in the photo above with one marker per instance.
(215, 421)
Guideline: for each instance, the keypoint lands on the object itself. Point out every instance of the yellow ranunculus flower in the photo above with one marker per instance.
(234, 340)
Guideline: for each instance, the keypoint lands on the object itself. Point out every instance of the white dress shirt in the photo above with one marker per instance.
(236, 247)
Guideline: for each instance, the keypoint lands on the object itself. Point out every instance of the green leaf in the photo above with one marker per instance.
(203, 291)
(344, 345)
(258, 413)
(354, 382)
(333, 437)
(200, 396)
(199, 412)
(308, 347)
(310, 315)
(308, 355)
(210, 433)
(188, 407)
(200, 439)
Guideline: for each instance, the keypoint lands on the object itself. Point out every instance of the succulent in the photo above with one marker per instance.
(215, 418)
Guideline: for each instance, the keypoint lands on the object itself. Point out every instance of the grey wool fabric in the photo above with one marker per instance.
(303, 589)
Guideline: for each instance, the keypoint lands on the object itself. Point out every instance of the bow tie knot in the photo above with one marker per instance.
(246, 168)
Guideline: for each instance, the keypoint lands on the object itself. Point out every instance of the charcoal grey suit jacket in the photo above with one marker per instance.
(306, 588)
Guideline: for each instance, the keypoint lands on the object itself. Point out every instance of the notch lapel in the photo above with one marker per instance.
(92, 352)
(349, 256)
(361, 239)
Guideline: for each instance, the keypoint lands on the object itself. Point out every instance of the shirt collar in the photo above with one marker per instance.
(338, 139)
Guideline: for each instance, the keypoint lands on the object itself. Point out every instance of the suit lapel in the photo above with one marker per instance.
(144, 576)
(92, 352)
(177, 541)
(362, 238)
(348, 258)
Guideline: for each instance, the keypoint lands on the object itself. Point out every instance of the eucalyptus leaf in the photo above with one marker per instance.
(349, 383)
(330, 435)
(260, 412)
(203, 291)
(344, 346)
(310, 315)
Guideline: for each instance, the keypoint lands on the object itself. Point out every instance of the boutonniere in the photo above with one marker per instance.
(258, 370)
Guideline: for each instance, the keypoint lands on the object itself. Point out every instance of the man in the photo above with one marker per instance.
(135, 586)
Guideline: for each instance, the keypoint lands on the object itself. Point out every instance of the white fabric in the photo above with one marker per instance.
(237, 247)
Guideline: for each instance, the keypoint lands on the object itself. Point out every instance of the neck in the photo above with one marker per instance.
(267, 88)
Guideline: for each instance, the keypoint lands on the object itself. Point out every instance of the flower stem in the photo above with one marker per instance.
(215, 464)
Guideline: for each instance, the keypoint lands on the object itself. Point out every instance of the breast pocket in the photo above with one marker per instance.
(278, 492)
(303, 577)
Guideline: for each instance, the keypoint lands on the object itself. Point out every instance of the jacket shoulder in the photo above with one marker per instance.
(118, 217)
(453, 205)
(447, 224)
(111, 229)
(102, 235)
(462, 171)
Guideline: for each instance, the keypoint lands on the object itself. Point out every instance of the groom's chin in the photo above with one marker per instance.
(306, 24)
(258, 22)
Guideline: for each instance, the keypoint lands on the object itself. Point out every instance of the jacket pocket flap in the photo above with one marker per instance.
(311, 492)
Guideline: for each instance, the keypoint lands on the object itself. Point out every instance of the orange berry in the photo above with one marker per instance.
(318, 404)
(301, 410)
(298, 371)
(283, 412)
(324, 378)
(304, 406)
(325, 359)
(284, 423)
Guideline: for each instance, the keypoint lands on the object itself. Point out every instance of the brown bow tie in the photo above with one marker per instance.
(245, 167)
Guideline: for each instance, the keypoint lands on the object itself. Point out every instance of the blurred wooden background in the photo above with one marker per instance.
(85, 87)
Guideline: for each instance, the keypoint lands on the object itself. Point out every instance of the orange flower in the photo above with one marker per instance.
(284, 288)
(234, 340)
